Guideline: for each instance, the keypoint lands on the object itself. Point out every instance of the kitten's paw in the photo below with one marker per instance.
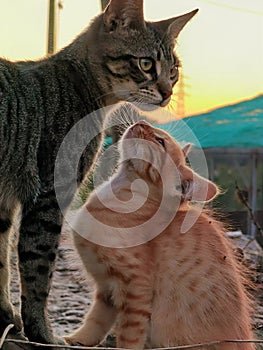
(77, 340)
(72, 341)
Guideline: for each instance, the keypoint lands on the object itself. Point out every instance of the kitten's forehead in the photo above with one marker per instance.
(162, 133)
(175, 146)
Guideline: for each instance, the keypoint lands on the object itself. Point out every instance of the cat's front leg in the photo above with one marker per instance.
(8, 315)
(135, 314)
(97, 323)
(38, 243)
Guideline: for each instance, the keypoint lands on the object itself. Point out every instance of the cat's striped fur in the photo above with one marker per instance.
(118, 57)
(175, 289)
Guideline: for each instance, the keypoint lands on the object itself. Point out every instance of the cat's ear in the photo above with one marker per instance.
(124, 13)
(199, 189)
(173, 26)
(186, 149)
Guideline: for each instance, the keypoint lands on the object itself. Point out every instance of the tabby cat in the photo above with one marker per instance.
(175, 289)
(118, 57)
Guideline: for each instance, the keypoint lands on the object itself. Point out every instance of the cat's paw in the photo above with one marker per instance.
(38, 329)
(13, 346)
(8, 315)
(59, 341)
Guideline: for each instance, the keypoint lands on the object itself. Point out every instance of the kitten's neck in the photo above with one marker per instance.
(126, 178)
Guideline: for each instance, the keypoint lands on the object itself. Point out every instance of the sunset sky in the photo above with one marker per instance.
(221, 48)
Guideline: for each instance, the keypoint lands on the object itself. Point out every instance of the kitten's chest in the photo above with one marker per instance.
(88, 254)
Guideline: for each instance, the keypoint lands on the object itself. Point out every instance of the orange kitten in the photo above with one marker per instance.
(174, 288)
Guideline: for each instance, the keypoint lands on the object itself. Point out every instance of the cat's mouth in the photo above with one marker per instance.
(165, 102)
(148, 107)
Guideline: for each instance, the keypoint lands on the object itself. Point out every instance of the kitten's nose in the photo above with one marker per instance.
(142, 123)
(133, 130)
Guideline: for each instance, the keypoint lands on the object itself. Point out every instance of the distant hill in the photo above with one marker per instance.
(237, 125)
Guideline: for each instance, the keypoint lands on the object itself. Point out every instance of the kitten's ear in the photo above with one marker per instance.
(199, 189)
(186, 149)
(124, 13)
(173, 26)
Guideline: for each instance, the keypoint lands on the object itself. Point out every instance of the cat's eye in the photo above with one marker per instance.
(174, 72)
(161, 141)
(146, 64)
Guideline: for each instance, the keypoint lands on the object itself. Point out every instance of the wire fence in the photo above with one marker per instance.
(5, 340)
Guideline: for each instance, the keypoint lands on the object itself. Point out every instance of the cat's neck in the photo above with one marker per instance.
(80, 48)
(78, 55)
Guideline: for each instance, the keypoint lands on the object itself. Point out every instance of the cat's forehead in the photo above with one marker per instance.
(144, 43)
(162, 44)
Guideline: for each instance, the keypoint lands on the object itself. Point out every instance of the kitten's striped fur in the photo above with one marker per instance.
(177, 288)
(115, 58)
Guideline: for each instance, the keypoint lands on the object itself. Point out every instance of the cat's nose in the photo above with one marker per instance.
(166, 94)
(166, 99)
(166, 90)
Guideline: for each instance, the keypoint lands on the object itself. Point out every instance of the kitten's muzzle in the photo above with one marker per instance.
(135, 128)
(142, 123)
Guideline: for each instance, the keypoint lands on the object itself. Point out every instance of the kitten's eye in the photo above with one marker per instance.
(146, 64)
(161, 141)
(186, 184)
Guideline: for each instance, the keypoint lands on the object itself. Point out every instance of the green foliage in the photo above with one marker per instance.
(227, 170)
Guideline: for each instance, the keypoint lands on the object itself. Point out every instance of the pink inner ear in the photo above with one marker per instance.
(179, 23)
(187, 190)
(212, 191)
(186, 149)
(154, 174)
(203, 189)
(125, 12)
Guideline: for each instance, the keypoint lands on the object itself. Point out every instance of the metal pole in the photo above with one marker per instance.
(52, 30)
(253, 187)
